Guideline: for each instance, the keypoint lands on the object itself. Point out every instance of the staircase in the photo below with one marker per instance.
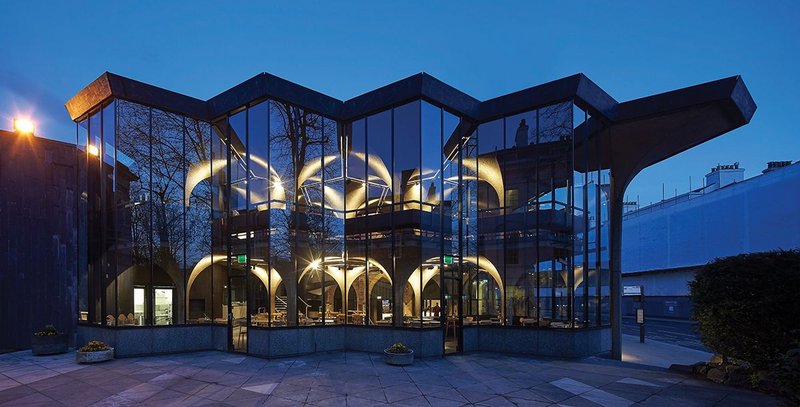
(280, 304)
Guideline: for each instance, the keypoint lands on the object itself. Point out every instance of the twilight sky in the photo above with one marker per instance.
(486, 49)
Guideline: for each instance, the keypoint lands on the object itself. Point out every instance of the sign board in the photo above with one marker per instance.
(632, 290)
(640, 316)
(241, 259)
(448, 259)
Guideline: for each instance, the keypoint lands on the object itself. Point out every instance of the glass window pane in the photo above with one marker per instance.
(133, 209)
(167, 203)
(310, 221)
(487, 284)
(430, 180)
(258, 214)
(334, 248)
(108, 204)
(82, 159)
(408, 274)
(220, 194)
(379, 162)
(355, 182)
(197, 195)
(519, 172)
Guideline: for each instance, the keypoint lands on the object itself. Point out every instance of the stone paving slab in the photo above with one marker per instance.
(353, 379)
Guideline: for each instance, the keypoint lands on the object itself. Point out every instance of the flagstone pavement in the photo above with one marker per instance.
(352, 379)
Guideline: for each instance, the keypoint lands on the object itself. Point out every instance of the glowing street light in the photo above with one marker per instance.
(23, 125)
(94, 150)
(315, 264)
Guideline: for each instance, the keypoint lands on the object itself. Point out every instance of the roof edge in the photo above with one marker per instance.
(730, 91)
(110, 85)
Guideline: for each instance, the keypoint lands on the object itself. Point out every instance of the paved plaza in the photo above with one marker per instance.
(352, 379)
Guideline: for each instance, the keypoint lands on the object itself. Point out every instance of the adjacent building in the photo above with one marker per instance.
(38, 237)
(275, 220)
(664, 244)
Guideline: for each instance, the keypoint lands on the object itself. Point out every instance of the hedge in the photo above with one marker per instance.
(748, 306)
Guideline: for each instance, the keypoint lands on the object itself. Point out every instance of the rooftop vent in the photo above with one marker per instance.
(723, 175)
(720, 167)
(775, 165)
(628, 206)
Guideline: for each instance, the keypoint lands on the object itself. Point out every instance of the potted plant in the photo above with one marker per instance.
(93, 352)
(398, 355)
(48, 341)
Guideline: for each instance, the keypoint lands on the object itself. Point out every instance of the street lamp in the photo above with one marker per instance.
(23, 125)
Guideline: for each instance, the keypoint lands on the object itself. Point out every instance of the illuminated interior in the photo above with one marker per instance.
(274, 216)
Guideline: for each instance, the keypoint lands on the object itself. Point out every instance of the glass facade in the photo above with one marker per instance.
(276, 216)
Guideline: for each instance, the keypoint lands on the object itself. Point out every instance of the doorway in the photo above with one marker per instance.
(236, 309)
(162, 311)
(452, 294)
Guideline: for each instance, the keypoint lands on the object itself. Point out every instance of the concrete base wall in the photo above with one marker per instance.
(287, 342)
(282, 342)
(424, 342)
(294, 341)
(136, 341)
(542, 342)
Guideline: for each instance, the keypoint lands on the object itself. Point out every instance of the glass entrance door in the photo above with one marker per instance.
(237, 313)
(163, 305)
(452, 293)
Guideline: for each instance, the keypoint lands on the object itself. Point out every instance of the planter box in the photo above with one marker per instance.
(398, 359)
(49, 345)
(94, 357)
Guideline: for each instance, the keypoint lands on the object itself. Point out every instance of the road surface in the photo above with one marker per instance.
(681, 333)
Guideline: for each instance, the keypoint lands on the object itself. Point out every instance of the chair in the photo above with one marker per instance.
(122, 320)
(242, 335)
(451, 323)
(260, 320)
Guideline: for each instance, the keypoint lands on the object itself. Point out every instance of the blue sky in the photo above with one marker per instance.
(631, 49)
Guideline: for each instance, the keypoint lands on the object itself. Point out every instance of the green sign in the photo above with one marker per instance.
(241, 259)
(448, 259)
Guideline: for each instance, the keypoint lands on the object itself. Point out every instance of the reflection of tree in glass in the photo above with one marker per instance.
(133, 151)
(152, 145)
(297, 140)
(198, 232)
(555, 122)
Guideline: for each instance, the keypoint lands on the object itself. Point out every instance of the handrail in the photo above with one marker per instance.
(307, 306)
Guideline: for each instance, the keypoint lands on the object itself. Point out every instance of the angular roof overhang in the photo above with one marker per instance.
(632, 135)
(263, 86)
(651, 129)
(420, 86)
(110, 85)
(579, 88)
